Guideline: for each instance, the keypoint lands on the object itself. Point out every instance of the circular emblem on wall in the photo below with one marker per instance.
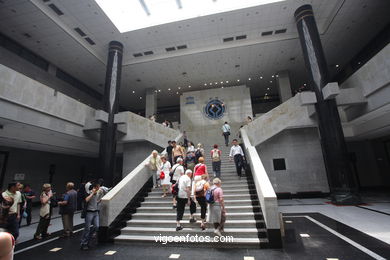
(214, 109)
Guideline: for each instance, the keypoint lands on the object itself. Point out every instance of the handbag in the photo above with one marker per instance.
(162, 175)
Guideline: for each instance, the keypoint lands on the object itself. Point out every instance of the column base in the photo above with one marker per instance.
(345, 198)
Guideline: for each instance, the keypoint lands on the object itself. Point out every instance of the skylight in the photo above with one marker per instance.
(130, 15)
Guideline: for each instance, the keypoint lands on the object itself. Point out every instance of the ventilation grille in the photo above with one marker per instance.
(148, 53)
(229, 39)
(56, 9)
(136, 55)
(241, 37)
(170, 49)
(280, 31)
(89, 40)
(79, 31)
(266, 33)
(181, 47)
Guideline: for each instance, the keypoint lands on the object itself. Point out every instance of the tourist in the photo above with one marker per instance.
(5, 205)
(44, 212)
(237, 155)
(165, 182)
(165, 123)
(190, 160)
(217, 211)
(30, 195)
(248, 120)
(200, 169)
(177, 151)
(176, 172)
(216, 161)
(199, 152)
(198, 192)
(226, 132)
(183, 198)
(13, 194)
(23, 203)
(191, 147)
(154, 167)
(170, 125)
(168, 151)
(185, 138)
(68, 206)
(92, 215)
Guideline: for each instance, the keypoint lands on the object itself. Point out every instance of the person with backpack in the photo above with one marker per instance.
(216, 161)
(200, 169)
(184, 198)
(174, 174)
(226, 132)
(199, 189)
(164, 172)
(217, 211)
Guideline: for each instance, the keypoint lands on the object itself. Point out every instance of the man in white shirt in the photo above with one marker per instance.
(177, 170)
(14, 211)
(237, 154)
(183, 198)
(226, 132)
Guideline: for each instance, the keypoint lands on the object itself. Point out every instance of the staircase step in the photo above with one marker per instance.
(169, 202)
(171, 231)
(172, 223)
(226, 196)
(168, 209)
(225, 191)
(229, 215)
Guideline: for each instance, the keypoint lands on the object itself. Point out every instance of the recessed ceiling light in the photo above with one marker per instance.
(267, 88)
(277, 75)
(304, 84)
(227, 81)
(179, 88)
(249, 79)
(337, 65)
(169, 89)
(221, 82)
(221, 87)
(266, 94)
(205, 84)
(211, 83)
(177, 93)
(189, 86)
(261, 77)
(159, 90)
(133, 91)
(270, 81)
(273, 76)
(238, 80)
(216, 83)
(140, 97)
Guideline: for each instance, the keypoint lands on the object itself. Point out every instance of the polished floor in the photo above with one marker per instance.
(314, 229)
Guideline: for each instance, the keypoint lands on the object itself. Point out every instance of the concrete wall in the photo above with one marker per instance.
(35, 165)
(48, 78)
(134, 153)
(237, 102)
(305, 170)
(262, 108)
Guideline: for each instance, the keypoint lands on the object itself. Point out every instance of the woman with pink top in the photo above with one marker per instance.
(217, 211)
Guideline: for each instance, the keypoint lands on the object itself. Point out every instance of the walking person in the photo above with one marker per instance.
(44, 212)
(168, 150)
(191, 147)
(199, 152)
(92, 215)
(190, 160)
(176, 172)
(216, 161)
(154, 167)
(226, 132)
(30, 195)
(185, 139)
(199, 188)
(184, 198)
(68, 206)
(237, 155)
(165, 182)
(200, 169)
(23, 203)
(217, 211)
(177, 151)
(13, 194)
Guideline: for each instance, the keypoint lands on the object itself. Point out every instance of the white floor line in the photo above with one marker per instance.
(42, 243)
(346, 239)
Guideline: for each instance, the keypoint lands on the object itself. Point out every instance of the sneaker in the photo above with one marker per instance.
(192, 220)
(179, 228)
(217, 232)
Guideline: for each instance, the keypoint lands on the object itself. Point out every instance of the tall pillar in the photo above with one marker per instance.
(341, 180)
(284, 86)
(107, 153)
(150, 102)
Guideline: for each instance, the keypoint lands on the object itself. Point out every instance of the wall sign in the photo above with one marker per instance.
(215, 109)
(19, 177)
(190, 100)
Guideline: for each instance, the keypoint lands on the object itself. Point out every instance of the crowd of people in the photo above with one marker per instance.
(16, 204)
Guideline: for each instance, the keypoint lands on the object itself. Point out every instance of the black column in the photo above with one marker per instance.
(107, 153)
(340, 176)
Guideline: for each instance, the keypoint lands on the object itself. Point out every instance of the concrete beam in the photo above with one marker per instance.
(331, 90)
(350, 96)
(307, 98)
(101, 116)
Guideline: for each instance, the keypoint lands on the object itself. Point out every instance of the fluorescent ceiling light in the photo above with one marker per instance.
(131, 15)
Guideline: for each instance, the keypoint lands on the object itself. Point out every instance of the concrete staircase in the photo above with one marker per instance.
(156, 217)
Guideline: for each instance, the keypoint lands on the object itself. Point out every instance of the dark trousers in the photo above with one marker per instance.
(13, 225)
(28, 211)
(203, 206)
(217, 168)
(42, 226)
(226, 135)
(239, 162)
(181, 205)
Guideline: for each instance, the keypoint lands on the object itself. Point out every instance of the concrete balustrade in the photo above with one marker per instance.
(264, 189)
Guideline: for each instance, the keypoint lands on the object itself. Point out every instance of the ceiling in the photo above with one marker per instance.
(345, 27)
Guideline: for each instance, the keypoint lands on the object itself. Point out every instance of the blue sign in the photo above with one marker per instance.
(214, 109)
(190, 100)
